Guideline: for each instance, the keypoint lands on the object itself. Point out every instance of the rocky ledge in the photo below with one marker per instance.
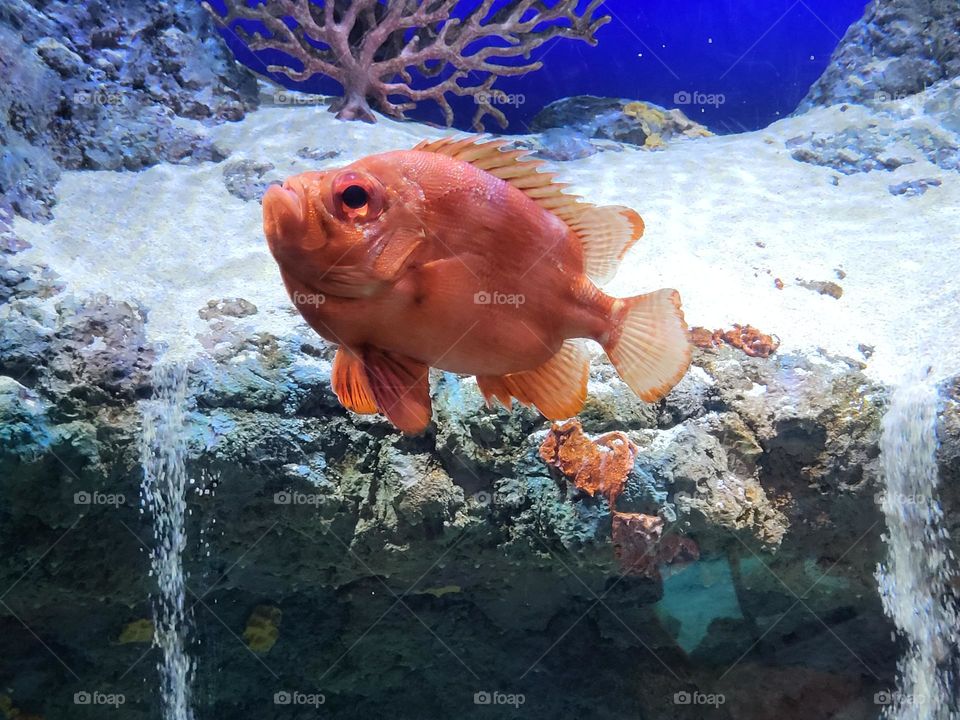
(328, 554)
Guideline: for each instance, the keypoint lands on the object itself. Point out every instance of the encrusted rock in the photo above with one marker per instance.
(897, 49)
(629, 121)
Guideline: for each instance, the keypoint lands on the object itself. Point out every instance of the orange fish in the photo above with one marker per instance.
(461, 256)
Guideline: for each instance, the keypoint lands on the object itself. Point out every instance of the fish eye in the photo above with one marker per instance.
(354, 197)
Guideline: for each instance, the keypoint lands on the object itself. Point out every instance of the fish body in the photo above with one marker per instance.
(460, 256)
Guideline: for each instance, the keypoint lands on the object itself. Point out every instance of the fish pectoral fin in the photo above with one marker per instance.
(558, 388)
(607, 233)
(401, 389)
(349, 281)
(350, 384)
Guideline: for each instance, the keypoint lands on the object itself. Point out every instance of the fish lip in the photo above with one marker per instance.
(289, 196)
(283, 213)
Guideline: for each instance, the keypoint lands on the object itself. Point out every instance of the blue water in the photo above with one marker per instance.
(753, 60)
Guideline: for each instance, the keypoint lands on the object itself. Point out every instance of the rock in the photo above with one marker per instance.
(629, 121)
(120, 97)
(59, 57)
(690, 462)
(764, 468)
(872, 151)
(227, 307)
(898, 48)
(309, 153)
(824, 287)
(913, 188)
(889, 135)
(561, 144)
(10, 242)
(243, 178)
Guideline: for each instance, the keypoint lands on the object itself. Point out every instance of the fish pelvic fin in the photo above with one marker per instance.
(400, 388)
(606, 233)
(350, 384)
(648, 343)
(558, 388)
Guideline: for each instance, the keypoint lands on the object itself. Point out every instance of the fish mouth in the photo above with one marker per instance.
(283, 212)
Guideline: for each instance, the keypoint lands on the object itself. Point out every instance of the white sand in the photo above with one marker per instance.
(173, 238)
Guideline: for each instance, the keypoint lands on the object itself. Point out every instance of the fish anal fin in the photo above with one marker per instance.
(350, 385)
(400, 388)
(494, 388)
(558, 388)
(606, 233)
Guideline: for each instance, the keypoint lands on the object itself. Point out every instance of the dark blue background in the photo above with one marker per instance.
(761, 55)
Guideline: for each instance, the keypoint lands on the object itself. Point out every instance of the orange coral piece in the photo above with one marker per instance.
(602, 466)
(640, 547)
(753, 342)
(635, 540)
(743, 337)
(594, 466)
(703, 338)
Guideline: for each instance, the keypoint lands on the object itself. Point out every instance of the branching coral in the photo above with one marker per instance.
(601, 466)
(371, 46)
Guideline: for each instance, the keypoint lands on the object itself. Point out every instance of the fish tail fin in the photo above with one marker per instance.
(648, 343)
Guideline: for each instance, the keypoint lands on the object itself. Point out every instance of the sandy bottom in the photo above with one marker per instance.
(725, 217)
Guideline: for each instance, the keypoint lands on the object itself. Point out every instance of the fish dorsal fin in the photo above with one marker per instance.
(607, 233)
(514, 167)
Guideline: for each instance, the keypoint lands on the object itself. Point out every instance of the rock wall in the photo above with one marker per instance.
(898, 48)
(329, 555)
(108, 85)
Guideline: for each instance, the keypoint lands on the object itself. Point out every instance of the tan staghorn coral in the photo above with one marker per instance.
(370, 47)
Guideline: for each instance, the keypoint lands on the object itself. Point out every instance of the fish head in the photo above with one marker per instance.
(342, 226)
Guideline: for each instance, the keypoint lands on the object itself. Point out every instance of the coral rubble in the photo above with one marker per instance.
(743, 337)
